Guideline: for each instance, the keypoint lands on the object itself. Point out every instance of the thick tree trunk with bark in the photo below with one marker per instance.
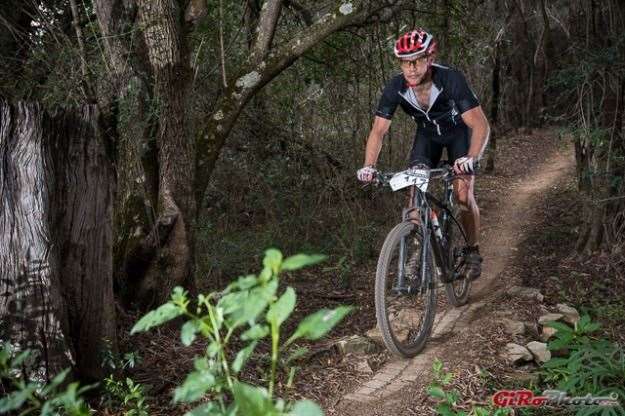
(169, 62)
(156, 208)
(57, 185)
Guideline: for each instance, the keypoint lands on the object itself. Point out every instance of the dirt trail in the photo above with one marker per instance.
(390, 389)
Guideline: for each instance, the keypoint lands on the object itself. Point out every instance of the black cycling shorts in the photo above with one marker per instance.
(427, 150)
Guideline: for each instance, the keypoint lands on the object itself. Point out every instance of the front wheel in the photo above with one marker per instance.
(458, 288)
(405, 294)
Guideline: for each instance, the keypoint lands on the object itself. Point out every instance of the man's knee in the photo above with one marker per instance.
(465, 201)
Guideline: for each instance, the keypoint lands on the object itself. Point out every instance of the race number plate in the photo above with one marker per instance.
(418, 177)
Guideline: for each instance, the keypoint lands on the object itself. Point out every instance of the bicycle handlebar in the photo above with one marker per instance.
(383, 178)
(446, 173)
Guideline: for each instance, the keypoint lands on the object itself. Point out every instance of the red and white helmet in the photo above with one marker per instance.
(413, 44)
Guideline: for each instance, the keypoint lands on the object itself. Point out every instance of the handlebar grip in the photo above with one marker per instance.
(477, 166)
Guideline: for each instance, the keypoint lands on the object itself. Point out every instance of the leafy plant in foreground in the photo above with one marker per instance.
(128, 394)
(448, 399)
(591, 365)
(26, 397)
(123, 392)
(251, 309)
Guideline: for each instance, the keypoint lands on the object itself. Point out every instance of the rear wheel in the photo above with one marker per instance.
(405, 314)
(458, 289)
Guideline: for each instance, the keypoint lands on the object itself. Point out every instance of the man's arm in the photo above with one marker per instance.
(374, 141)
(476, 120)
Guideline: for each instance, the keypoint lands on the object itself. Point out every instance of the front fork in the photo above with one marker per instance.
(420, 214)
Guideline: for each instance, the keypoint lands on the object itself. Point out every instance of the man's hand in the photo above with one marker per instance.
(464, 165)
(366, 174)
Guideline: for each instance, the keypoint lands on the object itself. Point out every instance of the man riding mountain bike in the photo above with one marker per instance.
(448, 116)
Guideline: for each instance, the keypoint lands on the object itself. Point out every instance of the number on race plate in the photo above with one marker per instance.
(418, 177)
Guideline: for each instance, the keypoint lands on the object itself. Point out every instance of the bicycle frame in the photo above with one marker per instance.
(421, 202)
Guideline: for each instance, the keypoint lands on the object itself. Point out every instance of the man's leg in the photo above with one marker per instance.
(470, 219)
(470, 213)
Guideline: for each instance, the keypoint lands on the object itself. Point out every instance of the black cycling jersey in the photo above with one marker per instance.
(450, 96)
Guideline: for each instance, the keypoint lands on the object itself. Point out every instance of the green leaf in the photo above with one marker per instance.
(55, 382)
(159, 316)
(480, 411)
(5, 355)
(560, 342)
(584, 320)
(252, 401)
(273, 260)
(179, 296)
(593, 327)
(21, 357)
(232, 302)
(289, 381)
(218, 316)
(188, 332)
(255, 332)
(319, 323)
(447, 379)
(436, 392)
(437, 366)
(265, 275)
(452, 397)
(297, 354)
(556, 362)
(16, 399)
(306, 408)
(207, 409)
(559, 326)
(212, 349)
(299, 261)
(282, 308)
(255, 303)
(443, 409)
(279, 405)
(242, 357)
(243, 283)
(196, 384)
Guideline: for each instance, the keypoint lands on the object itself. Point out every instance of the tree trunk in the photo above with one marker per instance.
(494, 110)
(57, 186)
(176, 158)
(156, 209)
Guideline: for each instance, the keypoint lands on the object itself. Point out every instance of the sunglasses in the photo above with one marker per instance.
(415, 62)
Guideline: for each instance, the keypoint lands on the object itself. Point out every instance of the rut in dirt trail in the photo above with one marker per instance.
(503, 229)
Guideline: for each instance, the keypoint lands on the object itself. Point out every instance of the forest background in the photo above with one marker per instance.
(231, 126)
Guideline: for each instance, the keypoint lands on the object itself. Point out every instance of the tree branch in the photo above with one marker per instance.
(86, 84)
(267, 23)
(300, 10)
(195, 11)
(257, 73)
